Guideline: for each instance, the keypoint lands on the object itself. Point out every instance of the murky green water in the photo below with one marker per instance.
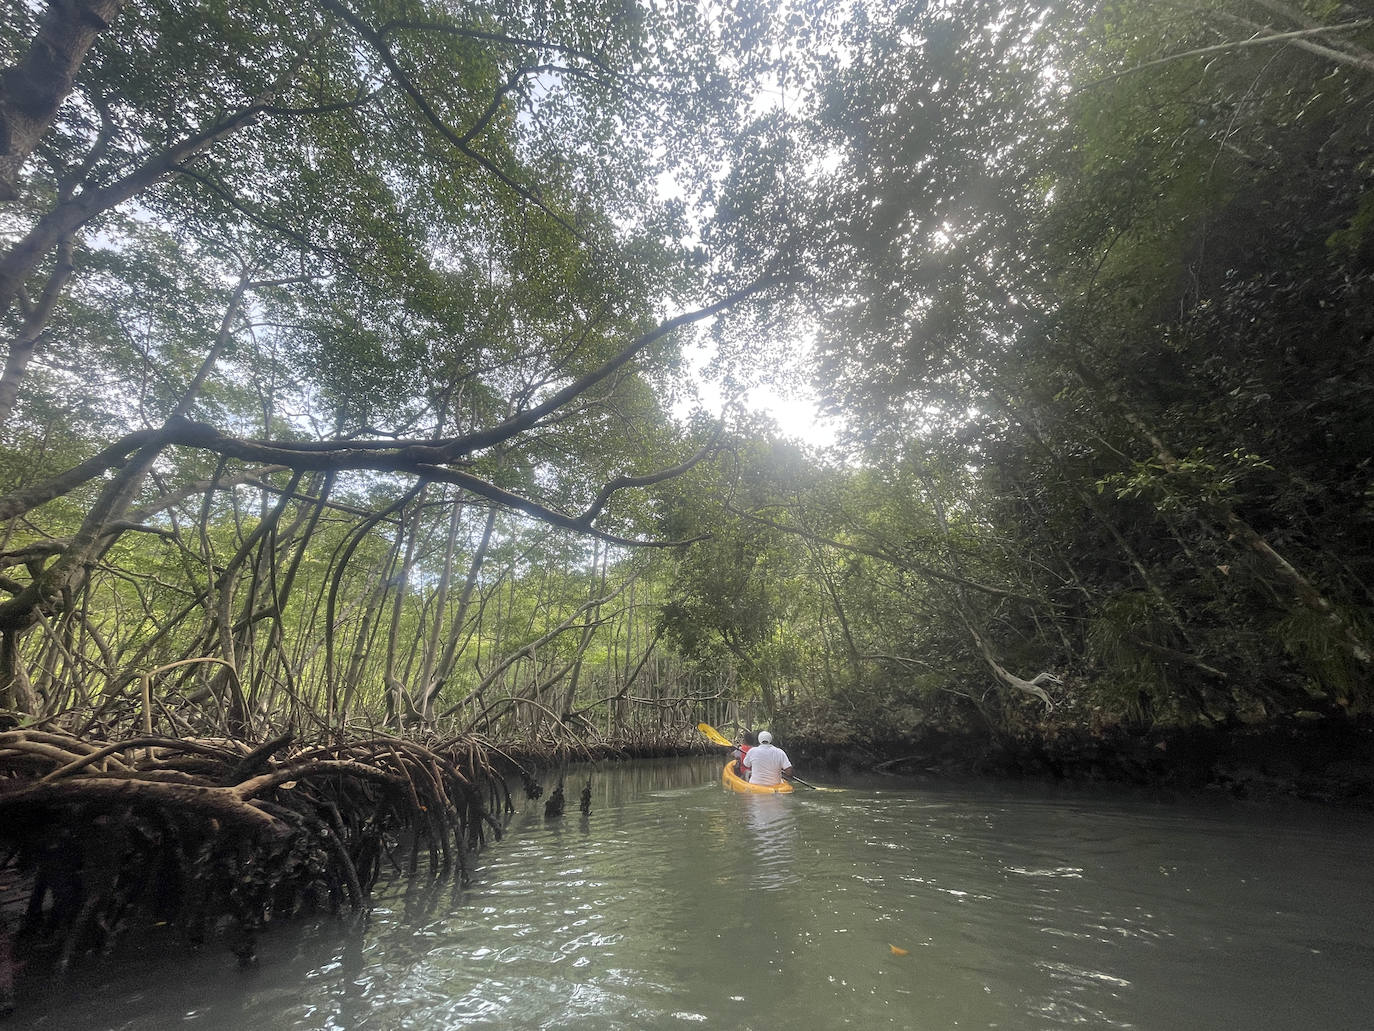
(680, 905)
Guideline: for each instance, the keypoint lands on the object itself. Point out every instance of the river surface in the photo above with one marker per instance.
(678, 905)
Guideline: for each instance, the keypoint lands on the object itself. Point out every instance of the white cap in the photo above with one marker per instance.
(765, 737)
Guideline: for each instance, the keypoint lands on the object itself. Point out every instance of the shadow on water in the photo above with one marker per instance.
(886, 905)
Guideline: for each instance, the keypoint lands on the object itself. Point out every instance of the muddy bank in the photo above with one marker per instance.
(1323, 761)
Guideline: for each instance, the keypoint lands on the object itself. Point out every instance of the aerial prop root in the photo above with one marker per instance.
(100, 838)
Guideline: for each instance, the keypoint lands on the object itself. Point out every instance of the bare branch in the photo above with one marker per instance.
(1240, 44)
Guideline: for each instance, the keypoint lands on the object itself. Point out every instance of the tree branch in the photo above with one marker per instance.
(1239, 44)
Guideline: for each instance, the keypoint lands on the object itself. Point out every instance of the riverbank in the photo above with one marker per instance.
(104, 836)
(217, 837)
(1321, 760)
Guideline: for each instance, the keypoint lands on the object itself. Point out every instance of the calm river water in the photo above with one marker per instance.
(680, 905)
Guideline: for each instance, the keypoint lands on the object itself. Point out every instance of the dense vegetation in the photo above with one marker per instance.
(349, 347)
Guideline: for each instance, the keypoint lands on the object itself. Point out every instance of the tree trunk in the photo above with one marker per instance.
(32, 90)
(35, 322)
(455, 639)
(431, 651)
(395, 691)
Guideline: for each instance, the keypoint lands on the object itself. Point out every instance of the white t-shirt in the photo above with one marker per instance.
(767, 763)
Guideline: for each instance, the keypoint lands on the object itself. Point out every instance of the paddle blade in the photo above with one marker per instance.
(715, 735)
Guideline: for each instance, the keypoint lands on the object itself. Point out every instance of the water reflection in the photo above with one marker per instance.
(772, 824)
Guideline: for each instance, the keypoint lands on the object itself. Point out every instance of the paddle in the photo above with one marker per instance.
(718, 738)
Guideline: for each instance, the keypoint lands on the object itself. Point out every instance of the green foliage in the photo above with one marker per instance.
(1196, 480)
(1107, 299)
(1324, 664)
(1090, 283)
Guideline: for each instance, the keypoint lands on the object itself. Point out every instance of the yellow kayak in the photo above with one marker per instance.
(730, 780)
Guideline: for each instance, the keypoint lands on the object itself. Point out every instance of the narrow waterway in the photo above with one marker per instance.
(678, 904)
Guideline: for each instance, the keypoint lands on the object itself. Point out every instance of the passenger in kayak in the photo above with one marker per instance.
(747, 740)
(768, 764)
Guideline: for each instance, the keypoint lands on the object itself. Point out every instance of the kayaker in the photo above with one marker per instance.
(747, 740)
(768, 763)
